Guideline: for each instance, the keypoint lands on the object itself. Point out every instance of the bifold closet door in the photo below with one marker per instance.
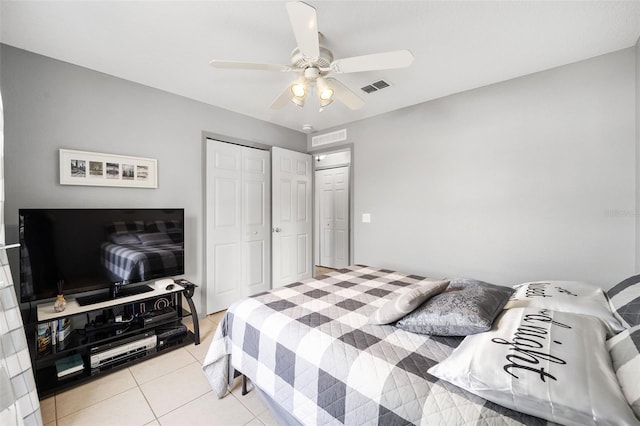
(238, 234)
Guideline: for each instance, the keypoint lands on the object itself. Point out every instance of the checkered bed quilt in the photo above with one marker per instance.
(309, 347)
(127, 262)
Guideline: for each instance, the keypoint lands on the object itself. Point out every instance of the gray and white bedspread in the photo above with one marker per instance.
(135, 262)
(309, 346)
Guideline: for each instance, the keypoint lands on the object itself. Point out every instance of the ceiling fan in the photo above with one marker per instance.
(314, 62)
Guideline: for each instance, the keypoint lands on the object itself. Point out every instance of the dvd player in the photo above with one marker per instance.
(115, 353)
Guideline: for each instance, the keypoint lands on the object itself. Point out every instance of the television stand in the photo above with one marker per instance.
(105, 297)
(108, 335)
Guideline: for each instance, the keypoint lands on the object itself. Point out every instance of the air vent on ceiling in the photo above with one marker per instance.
(332, 137)
(374, 87)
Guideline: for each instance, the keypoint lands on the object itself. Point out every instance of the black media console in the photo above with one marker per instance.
(85, 342)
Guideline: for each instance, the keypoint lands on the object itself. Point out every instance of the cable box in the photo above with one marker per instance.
(168, 335)
(155, 317)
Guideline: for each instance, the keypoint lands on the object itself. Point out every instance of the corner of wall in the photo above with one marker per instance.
(637, 215)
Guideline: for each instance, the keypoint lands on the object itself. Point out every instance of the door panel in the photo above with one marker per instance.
(255, 267)
(254, 201)
(226, 275)
(303, 252)
(291, 216)
(303, 200)
(226, 202)
(287, 251)
(226, 160)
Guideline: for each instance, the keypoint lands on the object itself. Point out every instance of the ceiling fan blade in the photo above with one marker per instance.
(344, 95)
(376, 61)
(305, 28)
(236, 65)
(282, 99)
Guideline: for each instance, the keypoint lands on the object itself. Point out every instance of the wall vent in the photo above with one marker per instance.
(327, 138)
(374, 87)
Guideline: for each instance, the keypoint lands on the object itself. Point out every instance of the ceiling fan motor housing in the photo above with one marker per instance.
(298, 60)
(311, 73)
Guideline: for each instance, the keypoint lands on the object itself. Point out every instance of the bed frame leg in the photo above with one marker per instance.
(244, 385)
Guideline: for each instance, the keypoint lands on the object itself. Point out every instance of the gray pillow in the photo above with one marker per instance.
(466, 307)
(396, 308)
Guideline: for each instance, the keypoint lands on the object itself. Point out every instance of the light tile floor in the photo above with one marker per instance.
(167, 390)
(170, 389)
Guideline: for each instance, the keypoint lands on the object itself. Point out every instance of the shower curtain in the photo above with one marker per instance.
(19, 402)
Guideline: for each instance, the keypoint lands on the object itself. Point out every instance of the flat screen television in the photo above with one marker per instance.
(103, 251)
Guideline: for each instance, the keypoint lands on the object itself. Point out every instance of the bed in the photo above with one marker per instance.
(139, 251)
(309, 347)
(137, 262)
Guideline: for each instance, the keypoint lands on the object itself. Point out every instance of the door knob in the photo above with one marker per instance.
(277, 229)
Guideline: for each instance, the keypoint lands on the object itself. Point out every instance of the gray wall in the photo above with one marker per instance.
(529, 179)
(51, 105)
(637, 211)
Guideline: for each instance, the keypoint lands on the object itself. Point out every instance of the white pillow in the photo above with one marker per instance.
(549, 364)
(396, 308)
(566, 296)
(155, 238)
(624, 349)
(125, 239)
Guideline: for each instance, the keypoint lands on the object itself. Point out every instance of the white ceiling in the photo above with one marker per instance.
(457, 45)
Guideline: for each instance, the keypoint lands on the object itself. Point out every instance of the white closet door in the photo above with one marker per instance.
(237, 223)
(291, 214)
(333, 199)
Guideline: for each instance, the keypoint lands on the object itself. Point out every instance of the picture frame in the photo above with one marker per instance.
(99, 169)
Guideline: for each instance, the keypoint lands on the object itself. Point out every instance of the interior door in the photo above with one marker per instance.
(291, 216)
(237, 223)
(333, 200)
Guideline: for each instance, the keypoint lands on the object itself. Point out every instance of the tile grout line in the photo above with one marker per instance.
(137, 384)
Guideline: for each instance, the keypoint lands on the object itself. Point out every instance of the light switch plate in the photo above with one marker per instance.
(366, 217)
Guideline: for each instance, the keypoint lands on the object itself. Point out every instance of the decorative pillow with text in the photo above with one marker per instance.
(566, 296)
(549, 364)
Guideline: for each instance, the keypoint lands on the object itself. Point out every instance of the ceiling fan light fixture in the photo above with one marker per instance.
(298, 101)
(299, 90)
(326, 95)
(325, 102)
(325, 92)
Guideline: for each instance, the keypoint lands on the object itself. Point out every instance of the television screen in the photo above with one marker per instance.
(92, 249)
